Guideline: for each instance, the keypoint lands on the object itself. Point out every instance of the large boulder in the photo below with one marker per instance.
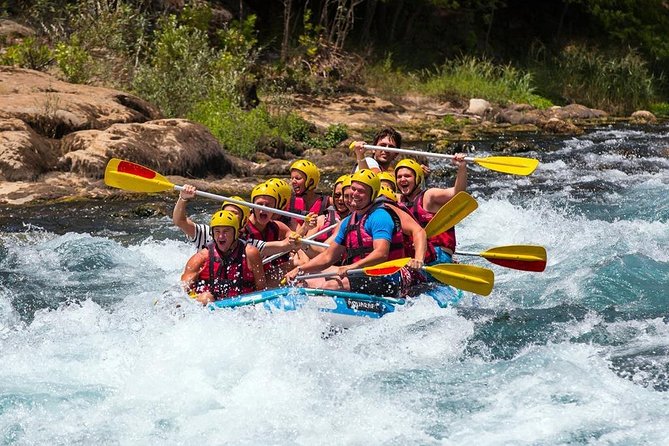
(24, 154)
(170, 146)
(643, 117)
(54, 108)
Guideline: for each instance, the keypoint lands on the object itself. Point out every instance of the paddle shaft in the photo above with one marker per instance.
(330, 274)
(492, 255)
(304, 240)
(244, 203)
(416, 152)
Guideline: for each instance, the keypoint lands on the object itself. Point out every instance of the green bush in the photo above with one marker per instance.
(465, 77)
(236, 129)
(73, 61)
(475, 77)
(30, 53)
(184, 69)
(660, 109)
(619, 84)
(181, 70)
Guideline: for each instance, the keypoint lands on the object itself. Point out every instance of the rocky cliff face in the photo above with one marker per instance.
(48, 126)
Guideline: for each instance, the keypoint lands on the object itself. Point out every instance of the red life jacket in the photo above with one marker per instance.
(446, 239)
(331, 218)
(298, 206)
(226, 275)
(410, 251)
(359, 243)
(269, 234)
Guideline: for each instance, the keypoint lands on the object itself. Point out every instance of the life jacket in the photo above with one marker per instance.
(226, 275)
(298, 206)
(331, 218)
(359, 243)
(446, 239)
(430, 254)
(269, 234)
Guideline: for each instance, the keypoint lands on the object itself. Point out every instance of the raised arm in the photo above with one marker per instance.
(179, 217)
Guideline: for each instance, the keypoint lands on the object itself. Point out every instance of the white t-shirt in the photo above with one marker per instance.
(203, 238)
(371, 164)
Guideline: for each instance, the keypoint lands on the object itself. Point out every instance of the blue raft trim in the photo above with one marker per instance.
(340, 297)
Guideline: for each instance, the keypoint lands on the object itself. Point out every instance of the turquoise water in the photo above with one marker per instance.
(93, 349)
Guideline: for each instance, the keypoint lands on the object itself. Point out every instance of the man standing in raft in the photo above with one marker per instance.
(226, 267)
(424, 203)
(372, 234)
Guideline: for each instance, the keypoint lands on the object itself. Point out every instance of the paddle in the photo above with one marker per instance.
(137, 178)
(451, 214)
(522, 257)
(303, 240)
(507, 164)
(382, 269)
(465, 277)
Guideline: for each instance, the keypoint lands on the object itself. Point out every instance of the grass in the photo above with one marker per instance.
(466, 77)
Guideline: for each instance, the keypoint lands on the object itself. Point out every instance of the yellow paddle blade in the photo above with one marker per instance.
(465, 277)
(386, 268)
(522, 257)
(134, 177)
(451, 214)
(514, 165)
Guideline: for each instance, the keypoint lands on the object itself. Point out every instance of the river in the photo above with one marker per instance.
(98, 347)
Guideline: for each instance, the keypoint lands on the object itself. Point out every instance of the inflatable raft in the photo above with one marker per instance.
(341, 308)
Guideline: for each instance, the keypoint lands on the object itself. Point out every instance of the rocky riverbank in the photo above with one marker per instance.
(56, 137)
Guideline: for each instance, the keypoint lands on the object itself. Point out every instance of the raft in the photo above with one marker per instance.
(340, 308)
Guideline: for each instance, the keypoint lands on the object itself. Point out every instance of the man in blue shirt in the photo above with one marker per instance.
(372, 234)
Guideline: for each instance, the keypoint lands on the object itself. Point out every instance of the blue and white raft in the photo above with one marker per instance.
(341, 308)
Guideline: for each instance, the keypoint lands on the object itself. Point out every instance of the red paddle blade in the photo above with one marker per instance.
(522, 265)
(386, 268)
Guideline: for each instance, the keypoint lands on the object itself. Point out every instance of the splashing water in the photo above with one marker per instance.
(97, 345)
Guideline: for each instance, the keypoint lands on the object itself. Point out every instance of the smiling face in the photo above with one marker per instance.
(224, 236)
(347, 196)
(338, 199)
(385, 158)
(406, 180)
(360, 196)
(299, 182)
(262, 217)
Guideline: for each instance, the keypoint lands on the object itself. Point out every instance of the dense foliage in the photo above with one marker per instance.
(207, 60)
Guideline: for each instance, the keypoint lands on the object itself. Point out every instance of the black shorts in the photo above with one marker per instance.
(378, 286)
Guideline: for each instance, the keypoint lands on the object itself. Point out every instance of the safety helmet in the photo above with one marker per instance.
(346, 182)
(341, 180)
(310, 170)
(387, 176)
(284, 189)
(246, 211)
(267, 190)
(225, 218)
(369, 178)
(412, 165)
(387, 192)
